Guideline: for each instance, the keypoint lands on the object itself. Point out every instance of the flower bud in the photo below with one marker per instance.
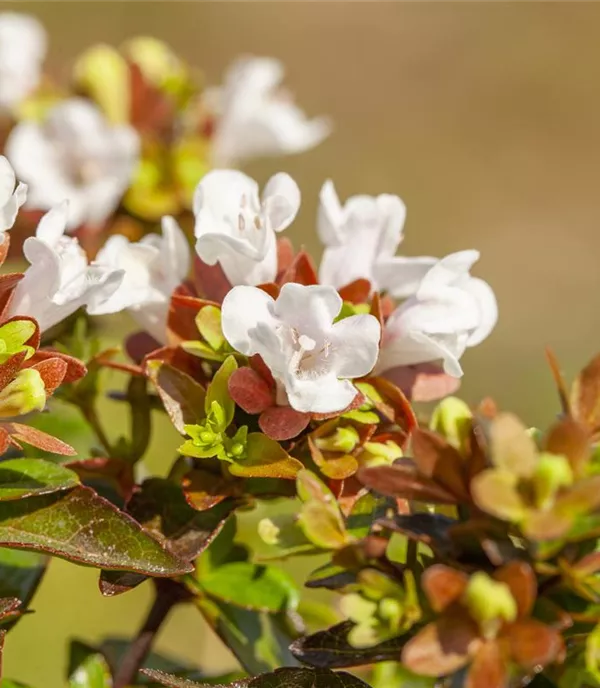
(379, 453)
(551, 473)
(24, 394)
(268, 531)
(452, 419)
(489, 602)
(343, 440)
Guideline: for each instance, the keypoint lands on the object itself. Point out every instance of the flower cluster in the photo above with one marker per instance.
(458, 550)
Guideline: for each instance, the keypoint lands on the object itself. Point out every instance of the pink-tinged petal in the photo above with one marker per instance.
(243, 310)
(393, 215)
(416, 347)
(281, 200)
(355, 345)
(310, 309)
(401, 276)
(488, 309)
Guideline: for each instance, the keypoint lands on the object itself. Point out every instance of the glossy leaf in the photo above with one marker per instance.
(218, 390)
(281, 678)
(88, 669)
(251, 586)
(330, 649)
(26, 477)
(20, 573)
(86, 529)
(182, 396)
(265, 458)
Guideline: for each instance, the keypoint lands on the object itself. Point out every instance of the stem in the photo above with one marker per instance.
(90, 415)
(168, 594)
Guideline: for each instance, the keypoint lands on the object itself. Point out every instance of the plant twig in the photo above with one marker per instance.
(168, 594)
(91, 417)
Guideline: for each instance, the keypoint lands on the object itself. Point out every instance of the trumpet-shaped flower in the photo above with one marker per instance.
(450, 311)
(59, 279)
(307, 353)
(11, 199)
(256, 118)
(361, 238)
(153, 268)
(236, 228)
(22, 51)
(74, 154)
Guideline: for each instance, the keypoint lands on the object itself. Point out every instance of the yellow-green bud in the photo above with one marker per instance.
(380, 453)
(552, 472)
(343, 440)
(268, 532)
(452, 419)
(489, 602)
(24, 394)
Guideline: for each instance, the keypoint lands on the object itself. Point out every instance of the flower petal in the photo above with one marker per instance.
(330, 216)
(355, 344)
(53, 224)
(242, 310)
(217, 194)
(488, 309)
(447, 271)
(176, 250)
(281, 199)
(325, 394)
(401, 276)
(310, 309)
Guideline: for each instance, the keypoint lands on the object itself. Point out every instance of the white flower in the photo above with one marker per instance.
(361, 239)
(59, 279)
(256, 118)
(237, 229)
(306, 352)
(450, 312)
(11, 199)
(153, 268)
(74, 154)
(22, 51)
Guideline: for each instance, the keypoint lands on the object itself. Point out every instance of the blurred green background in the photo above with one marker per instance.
(483, 117)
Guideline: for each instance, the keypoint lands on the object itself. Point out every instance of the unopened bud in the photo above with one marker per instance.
(268, 531)
(551, 473)
(452, 419)
(24, 394)
(489, 602)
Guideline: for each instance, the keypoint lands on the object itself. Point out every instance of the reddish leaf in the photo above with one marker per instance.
(561, 385)
(442, 647)
(203, 489)
(488, 669)
(210, 280)
(423, 382)
(9, 281)
(250, 391)
(404, 481)
(356, 292)
(533, 644)
(569, 438)
(376, 309)
(115, 471)
(402, 412)
(139, 345)
(11, 367)
(183, 309)
(283, 422)
(521, 580)
(4, 441)
(585, 395)
(182, 397)
(37, 438)
(4, 248)
(301, 271)
(336, 466)
(76, 369)
(271, 289)
(285, 254)
(52, 371)
(443, 586)
(178, 358)
(440, 461)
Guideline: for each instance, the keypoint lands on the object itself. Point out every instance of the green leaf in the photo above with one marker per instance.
(265, 458)
(201, 350)
(13, 336)
(218, 390)
(251, 586)
(20, 573)
(289, 677)
(26, 477)
(182, 397)
(208, 322)
(331, 649)
(260, 641)
(87, 668)
(84, 528)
